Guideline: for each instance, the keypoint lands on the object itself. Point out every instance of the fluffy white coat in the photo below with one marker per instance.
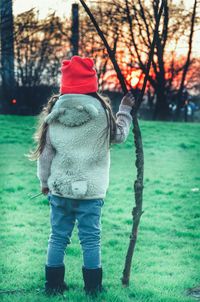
(76, 159)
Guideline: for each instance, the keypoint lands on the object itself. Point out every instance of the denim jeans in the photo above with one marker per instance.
(64, 212)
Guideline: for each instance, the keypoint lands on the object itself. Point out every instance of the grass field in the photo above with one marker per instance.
(166, 260)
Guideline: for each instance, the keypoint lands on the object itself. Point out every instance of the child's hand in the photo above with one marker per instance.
(45, 191)
(128, 100)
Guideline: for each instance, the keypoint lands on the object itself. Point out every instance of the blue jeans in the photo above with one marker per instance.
(63, 214)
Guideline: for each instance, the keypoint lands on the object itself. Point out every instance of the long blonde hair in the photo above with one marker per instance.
(41, 128)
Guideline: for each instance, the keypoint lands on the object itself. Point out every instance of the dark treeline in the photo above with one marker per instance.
(32, 49)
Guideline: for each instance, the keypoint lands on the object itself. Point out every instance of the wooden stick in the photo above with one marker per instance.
(138, 184)
(31, 197)
(12, 291)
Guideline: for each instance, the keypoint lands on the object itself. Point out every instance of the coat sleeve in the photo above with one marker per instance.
(123, 122)
(44, 162)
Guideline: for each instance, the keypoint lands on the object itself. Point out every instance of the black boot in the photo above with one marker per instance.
(92, 280)
(55, 280)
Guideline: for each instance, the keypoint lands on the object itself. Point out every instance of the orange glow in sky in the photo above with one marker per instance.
(133, 77)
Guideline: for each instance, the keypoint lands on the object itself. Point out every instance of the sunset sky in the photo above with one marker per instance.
(63, 9)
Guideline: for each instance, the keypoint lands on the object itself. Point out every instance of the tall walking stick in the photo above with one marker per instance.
(139, 163)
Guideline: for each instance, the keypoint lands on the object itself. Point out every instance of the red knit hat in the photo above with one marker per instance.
(78, 76)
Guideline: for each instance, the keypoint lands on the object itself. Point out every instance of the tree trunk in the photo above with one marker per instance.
(161, 111)
(7, 54)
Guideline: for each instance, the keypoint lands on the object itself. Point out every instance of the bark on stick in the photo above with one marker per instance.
(138, 184)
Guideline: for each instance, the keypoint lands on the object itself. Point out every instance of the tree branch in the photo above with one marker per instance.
(111, 53)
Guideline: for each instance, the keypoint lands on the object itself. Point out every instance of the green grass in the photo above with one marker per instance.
(166, 260)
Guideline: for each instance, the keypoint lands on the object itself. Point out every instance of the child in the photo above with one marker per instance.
(73, 161)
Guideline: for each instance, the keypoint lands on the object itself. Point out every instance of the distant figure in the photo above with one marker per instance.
(185, 102)
(73, 161)
(189, 107)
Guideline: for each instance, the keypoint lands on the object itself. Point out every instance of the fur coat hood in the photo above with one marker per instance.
(72, 110)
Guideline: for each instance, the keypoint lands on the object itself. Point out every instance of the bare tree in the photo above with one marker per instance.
(39, 47)
(188, 60)
(141, 20)
(137, 22)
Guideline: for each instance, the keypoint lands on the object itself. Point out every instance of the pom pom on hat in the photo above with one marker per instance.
(78, 76)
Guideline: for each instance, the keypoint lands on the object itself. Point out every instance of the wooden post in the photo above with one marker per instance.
(75, 30)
